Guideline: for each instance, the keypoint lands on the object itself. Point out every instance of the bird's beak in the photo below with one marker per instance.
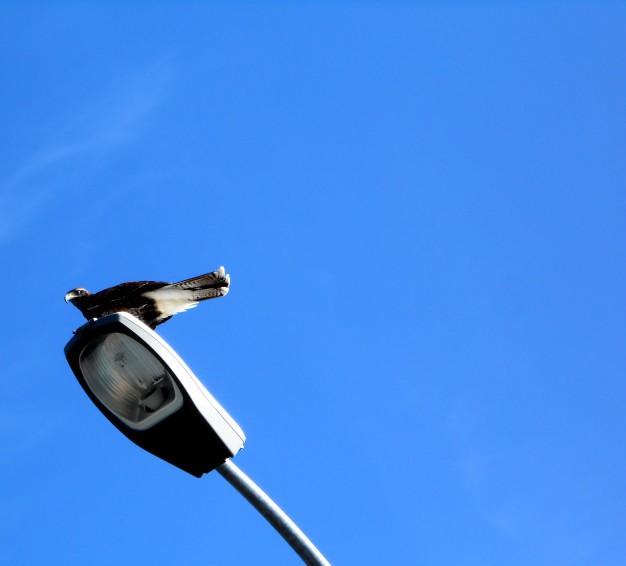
(67, 297)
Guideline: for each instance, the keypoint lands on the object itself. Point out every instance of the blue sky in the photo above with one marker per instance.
(421, 206)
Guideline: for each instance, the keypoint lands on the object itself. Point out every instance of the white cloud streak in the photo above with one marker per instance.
(115, 121)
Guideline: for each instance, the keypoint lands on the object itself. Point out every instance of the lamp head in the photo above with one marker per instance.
(141, 385)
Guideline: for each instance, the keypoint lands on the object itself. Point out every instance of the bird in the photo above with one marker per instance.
(152, 302)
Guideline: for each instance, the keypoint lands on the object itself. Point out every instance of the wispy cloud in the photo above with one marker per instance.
(116, 120)
(481, 465)
(26, 430)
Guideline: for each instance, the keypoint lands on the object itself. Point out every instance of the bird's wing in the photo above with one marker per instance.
(178, 297)
(218, 280)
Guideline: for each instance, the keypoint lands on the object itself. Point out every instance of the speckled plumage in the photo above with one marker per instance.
(152, 302)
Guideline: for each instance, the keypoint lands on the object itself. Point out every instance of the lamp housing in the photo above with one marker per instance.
(144, 388)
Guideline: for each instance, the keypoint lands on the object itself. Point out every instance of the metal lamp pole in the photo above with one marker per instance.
(143, 387)
(273, 513)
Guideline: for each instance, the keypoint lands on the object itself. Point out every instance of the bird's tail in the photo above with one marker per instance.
(208, 286)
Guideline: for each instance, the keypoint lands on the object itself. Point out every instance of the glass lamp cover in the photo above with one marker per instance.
(129, 380)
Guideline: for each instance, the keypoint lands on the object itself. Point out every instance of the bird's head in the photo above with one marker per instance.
(76, 294)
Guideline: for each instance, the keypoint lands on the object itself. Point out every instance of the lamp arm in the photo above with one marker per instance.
(273, 513)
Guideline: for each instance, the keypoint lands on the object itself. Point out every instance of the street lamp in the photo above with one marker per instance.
(143, 387)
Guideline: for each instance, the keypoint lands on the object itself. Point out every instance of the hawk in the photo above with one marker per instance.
(152, 302)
